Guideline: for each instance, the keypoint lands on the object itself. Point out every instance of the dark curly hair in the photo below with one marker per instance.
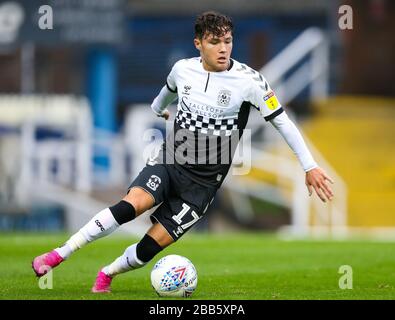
(214, 23)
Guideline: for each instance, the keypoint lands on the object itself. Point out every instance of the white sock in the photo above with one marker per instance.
(128, 261)
(99, 226)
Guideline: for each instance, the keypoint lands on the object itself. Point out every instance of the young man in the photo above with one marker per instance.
(215, 94)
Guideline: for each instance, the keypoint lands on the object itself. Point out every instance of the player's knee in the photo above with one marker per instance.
(140, 199)
(123, 212)
(147, 248)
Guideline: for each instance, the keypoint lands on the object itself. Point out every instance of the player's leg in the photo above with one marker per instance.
(137, 201)
(136, 256)
(172, 219)
(102, 224)
(108, 220)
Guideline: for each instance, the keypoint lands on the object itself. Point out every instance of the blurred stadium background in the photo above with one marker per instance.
(74, 111)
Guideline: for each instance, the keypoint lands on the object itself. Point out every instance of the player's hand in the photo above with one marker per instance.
(165, 114)
(317, 179)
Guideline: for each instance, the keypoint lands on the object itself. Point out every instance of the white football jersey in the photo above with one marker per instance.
(211, 101)
(214, 106)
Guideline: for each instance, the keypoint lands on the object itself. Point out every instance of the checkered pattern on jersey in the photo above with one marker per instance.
(217, 127)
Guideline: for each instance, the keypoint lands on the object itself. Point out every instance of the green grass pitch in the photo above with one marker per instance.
(232, 266)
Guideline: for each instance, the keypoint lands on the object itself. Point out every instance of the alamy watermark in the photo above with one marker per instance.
(345, 281)
(345, 21)
(186, 147)
(46, 281)
(45, 22)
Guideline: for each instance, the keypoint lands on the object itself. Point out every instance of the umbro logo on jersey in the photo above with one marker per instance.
(224, 98)
(187, 89)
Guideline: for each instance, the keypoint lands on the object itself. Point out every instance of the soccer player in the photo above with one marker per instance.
(215, 94)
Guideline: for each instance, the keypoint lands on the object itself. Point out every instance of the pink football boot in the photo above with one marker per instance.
(42, 264)
(102, 283)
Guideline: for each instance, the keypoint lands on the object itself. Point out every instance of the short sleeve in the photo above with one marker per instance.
(262, 97)
(171, 81)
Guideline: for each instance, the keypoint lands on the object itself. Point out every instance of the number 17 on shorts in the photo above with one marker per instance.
(182, 222)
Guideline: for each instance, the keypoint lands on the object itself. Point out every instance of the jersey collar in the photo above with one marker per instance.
(230, 63)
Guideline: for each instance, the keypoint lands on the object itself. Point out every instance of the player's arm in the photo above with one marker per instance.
(316, 178)
(164, 98)
(264, 99)
(167, 94)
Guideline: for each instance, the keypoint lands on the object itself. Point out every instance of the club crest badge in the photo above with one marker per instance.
(153, 182)
(224, 98)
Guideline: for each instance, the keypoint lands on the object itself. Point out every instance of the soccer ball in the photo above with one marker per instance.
(174, 276)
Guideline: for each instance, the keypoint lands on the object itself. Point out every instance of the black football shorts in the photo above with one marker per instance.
(182, 201)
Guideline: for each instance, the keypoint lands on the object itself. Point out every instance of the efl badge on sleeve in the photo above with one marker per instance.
(271, 100)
